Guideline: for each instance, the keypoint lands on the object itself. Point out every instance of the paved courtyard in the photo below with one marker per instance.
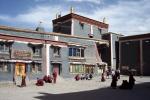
(69, 89)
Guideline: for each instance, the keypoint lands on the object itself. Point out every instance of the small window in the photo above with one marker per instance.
(76, 52)
(81, 24)
(3, 67)
(36, 51)
(82, 52)
(56, 51)
(36, 68)
(70, 51)
(100, 30)
(4, 48)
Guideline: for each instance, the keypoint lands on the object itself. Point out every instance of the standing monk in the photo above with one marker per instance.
(131, 81)
(114, 82)
(23, 83)
(54, 76)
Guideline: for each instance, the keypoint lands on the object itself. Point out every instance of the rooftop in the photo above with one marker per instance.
(80, 18)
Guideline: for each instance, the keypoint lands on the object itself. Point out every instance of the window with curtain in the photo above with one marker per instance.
(4, 48)
(4, 67)
(77, 68)
(37, 51)
(36, 68)
(56, 51)
(76, 52)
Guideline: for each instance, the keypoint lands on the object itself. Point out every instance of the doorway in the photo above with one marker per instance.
(57, 68)
(20, 70)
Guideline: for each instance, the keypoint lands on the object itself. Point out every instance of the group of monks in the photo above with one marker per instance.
(125, 84)
(83, 77)
(47, 79)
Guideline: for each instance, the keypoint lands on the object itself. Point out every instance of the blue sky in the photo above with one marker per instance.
(126, 17)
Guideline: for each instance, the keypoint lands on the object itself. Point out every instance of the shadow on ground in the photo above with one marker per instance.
(139, 92)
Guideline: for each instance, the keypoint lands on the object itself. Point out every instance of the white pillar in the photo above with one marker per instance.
(47, 59)
(72, 27)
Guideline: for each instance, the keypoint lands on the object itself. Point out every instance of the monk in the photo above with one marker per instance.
(55, 76)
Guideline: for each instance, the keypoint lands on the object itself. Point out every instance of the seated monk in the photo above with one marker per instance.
(39, 82)
(49, 79)
(124, 85)
(45, 78)
(77, 77)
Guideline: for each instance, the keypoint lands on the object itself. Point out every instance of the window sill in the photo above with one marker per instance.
(76, 58)
(57, 56)
(3, 52)
(37, 56)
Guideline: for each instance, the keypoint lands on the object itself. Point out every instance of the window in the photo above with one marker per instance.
(56, 38)
(81, 24)
(77, 68)
(100, 30)
(4, 48)
(56, 51)
(3, 67)
(70, 51)
(36, 68)
(36, 51)
(82, 52)
(76, 52)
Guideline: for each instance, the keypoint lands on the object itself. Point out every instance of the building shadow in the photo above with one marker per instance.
(139, 92)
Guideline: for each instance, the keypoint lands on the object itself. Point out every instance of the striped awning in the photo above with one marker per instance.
(24, 61)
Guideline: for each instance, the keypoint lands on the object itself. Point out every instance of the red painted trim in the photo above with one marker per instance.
(25, 39)
(82, 19)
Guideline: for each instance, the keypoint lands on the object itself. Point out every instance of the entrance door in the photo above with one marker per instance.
(19, 72)
(56, 67)
(20, 69)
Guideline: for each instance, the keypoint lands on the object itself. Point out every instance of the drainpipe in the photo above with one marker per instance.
(141, 58)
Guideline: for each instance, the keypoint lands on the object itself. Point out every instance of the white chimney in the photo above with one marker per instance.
(104, 20)
(71, 10)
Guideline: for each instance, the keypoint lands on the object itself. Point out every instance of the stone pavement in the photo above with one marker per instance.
(69, 89)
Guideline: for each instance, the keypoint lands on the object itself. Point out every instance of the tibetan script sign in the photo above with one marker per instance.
(22, 54)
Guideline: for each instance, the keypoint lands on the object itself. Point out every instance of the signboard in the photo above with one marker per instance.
(21, 54)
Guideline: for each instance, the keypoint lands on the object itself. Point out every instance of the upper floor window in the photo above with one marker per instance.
(56, 51)
(37, 51)
(100, 30)
(81, 24)
(3, 67)
(76, 52)
(4, 48)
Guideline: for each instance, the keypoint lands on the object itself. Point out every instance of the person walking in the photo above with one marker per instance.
(55, 76)
(103, 78)
(114, 82)
(131, 81)
(23, 83)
